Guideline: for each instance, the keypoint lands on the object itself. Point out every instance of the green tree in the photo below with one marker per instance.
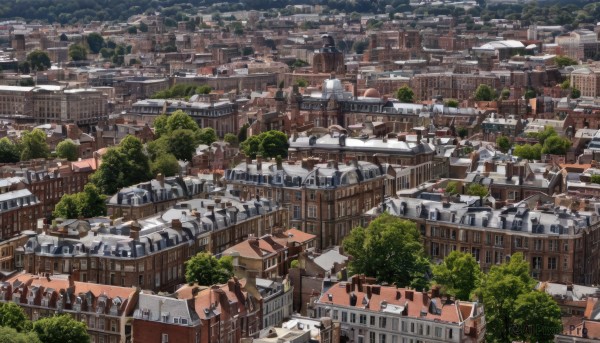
(505, 94)
(294, 264)
(360, 46)
(575, 93)
(95, 41)
(476, 189)
(143, 27)
(123, 165)
(182, 144)
(207, 270)
(405, 94)
(160, 125)
(206, 136)
(251, 146)
(110, 175)
(91, 202)
(498, 291)
(503, 143)
(61, 329)
(243, 133)
(204, 89)
(451, 103)
(132, 30)
(77, 52)
(544, 134)
(484, 93)
(34, 145)
(231, 138)
(389, 249)
(180, 120)
(165, 164)
(563, 61)
(273, 143)
(10, 335)
(300, 82)
(10, 152)
(13, 316)
(67, 207)
(39, 60)
(595, 178)
(528, 151)
(458, 274)
(452, 188)
(530, 94)
(556, 145)
(462, 132)
(566, 84)
(63, 37)
(67, 149)
(537, 317)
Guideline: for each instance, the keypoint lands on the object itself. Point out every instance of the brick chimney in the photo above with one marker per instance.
(134, 230)
(176, 225)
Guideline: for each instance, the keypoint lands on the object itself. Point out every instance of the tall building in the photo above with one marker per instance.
(328, 59)
(324, 199)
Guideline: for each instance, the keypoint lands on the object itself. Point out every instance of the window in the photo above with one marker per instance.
(449, 333)
(372, 320)
(499, 240)
(395, 324)
(165, 338)
(537, 244)
(371, 337)
(363, 319)
(477, 237)
(352, 317)
(382, 338)
(335, 314)
(566, 263)
(552, 263)
(403, 326)
(382, 322)
(536, 263)
(488, 257)
(438, 332)
(312, 211)
(344, 317)
(298, 195)
(297, 212)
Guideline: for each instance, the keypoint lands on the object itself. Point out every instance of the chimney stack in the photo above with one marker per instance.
(176, 225)
(259, 162)
(134, 230)
(161, 178)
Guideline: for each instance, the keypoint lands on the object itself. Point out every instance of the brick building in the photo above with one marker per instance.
(552, 240)
(150, 252)
(106, 311)
(326, 200)
(374, 313)
(450, 85)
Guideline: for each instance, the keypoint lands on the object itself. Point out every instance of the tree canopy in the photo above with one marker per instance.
(268, 144)
(528, 151)
(123, 165)
(503, 143)
(67, 149)
(556, 145)
(77, 52)
(183, 91)
(207, 270)
(563, 61)
(405, 94)
(10, 335)
(515, 311)
(87, 204)
(389, 250)
(13, 316)
(484, 93)
(476, 189)
(39, 60)
(165, 164)
(10, 151)
(95, 41)
(458, 274)
(61, 329)
(33, 145)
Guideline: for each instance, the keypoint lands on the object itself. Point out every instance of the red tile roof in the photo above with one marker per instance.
(394, 296)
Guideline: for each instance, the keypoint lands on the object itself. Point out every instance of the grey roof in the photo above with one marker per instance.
(158, 308)
(341, 142)
(518, 218)
(321, 176)
(571, 292)
(103, 238)
(327, 259)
